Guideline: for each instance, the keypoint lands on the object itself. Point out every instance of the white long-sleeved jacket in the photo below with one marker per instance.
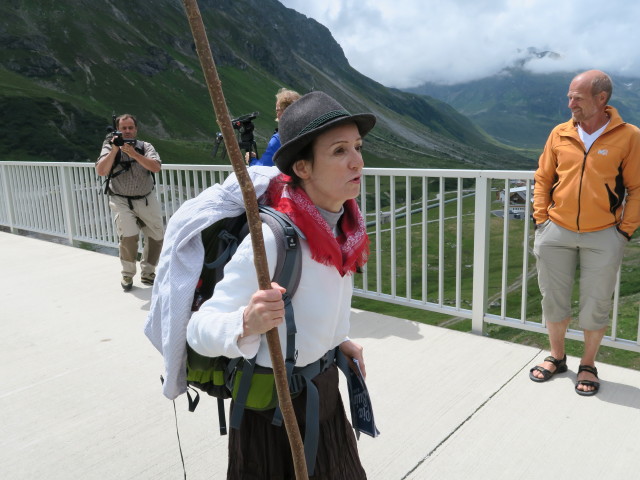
(321, 307)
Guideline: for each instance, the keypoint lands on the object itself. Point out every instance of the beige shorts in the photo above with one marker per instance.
(558, 252)
(146, 216)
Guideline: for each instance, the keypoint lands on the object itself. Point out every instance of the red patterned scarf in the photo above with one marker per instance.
(346, 252)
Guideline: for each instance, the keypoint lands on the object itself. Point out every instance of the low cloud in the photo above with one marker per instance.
(403, 43)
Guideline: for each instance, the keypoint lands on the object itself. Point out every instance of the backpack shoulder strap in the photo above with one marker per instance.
(287, 274)
(289, 262)
(139, 146)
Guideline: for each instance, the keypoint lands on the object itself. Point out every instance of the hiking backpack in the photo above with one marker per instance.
(249, 385)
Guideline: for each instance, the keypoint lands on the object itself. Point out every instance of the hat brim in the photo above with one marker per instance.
(288, 152)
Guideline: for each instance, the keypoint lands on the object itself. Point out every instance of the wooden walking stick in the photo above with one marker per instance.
(255, 228)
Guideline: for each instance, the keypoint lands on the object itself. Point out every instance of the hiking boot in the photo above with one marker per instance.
(126, 282)
(148, 278)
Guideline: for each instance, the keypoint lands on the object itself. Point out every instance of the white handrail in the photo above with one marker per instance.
(441, 239)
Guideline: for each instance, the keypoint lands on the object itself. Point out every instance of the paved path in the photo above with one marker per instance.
(80, 392)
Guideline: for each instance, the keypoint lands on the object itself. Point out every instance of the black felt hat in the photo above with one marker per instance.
(308, 117)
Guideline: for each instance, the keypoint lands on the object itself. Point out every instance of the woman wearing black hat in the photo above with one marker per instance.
(321, 161)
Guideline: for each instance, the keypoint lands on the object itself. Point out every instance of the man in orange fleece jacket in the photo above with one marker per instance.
(586, 208)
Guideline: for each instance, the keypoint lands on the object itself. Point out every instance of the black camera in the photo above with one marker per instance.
(118, 140)
(243, 123)
(245, 127)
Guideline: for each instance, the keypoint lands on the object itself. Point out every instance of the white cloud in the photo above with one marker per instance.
(402, 43)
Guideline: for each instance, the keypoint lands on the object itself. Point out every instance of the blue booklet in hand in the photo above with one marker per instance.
(361, 409)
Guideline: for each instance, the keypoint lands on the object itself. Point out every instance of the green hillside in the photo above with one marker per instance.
(66, 67)
(520, 108)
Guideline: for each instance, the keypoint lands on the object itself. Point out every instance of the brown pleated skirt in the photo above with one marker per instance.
(260, 451)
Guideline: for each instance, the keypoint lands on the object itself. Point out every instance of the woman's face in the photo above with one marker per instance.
(334, 175)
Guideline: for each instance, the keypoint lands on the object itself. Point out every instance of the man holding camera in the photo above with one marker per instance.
(129, 165)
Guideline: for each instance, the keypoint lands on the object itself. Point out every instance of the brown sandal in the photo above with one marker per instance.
(561, 367)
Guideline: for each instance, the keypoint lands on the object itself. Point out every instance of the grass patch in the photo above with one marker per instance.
(448, 267)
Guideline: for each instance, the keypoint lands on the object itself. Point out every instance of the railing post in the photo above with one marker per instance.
(481, 232)
(67, 202)
(8, 198)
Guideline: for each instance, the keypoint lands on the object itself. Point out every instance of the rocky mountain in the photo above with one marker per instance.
(66, 67)
(520, 108)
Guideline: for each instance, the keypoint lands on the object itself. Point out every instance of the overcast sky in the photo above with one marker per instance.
(403, 43)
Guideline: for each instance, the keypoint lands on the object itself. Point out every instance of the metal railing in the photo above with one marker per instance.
(452, 242)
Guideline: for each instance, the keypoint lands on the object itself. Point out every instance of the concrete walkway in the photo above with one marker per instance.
(80, 392)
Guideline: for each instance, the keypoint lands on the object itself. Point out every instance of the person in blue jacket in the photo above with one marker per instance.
(284, 98)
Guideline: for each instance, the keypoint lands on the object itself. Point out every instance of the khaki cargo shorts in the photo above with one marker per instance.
(559, 252)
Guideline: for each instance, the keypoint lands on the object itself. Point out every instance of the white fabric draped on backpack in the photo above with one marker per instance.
(179, 269)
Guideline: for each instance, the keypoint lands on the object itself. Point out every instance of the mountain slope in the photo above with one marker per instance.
(65, 67)
(520, 108)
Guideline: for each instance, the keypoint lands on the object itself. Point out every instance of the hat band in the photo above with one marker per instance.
(318, 122)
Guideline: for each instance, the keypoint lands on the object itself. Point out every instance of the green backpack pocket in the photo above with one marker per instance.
(208, 373)
(220, 377)
(262, 393)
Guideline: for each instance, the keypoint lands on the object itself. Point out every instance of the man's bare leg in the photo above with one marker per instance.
(557, 331)
(592, 341)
